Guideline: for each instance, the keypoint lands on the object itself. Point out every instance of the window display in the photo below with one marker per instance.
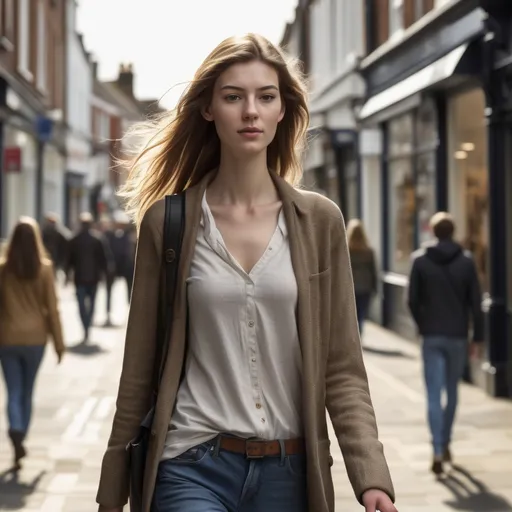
(469, 175)
(412, 143)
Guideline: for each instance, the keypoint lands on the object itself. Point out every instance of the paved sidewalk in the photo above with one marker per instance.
(482, 446)
(74, 404)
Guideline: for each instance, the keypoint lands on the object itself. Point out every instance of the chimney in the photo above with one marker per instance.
(94, 66)
(125, 79)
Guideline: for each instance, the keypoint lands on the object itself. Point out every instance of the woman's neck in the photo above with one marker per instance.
(243, 182)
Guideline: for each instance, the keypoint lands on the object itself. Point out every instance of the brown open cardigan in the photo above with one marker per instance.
(334, 375)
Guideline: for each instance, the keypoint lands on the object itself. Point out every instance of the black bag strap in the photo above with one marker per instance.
(174, 227)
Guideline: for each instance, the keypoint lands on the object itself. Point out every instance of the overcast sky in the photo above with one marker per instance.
(167, 39)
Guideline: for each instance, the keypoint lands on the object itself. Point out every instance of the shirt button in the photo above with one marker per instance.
(251, 324)
(262, 420)
(258, 406)
(253, 359)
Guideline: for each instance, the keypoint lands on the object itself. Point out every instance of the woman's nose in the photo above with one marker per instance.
(250, 110)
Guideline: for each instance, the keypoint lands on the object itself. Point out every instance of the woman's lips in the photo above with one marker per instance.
(250, 133)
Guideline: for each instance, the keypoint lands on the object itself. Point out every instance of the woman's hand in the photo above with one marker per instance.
(376, 500)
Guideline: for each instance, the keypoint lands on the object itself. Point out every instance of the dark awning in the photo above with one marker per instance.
(429, 76)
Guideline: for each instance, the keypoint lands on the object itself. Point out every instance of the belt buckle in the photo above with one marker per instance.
(254, 450)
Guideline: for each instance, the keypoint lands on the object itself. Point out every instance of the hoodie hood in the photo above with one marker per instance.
(443, 252)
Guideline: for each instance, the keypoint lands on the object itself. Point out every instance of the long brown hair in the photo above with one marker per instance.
(180, 147)
(356, 236)
(25, 251)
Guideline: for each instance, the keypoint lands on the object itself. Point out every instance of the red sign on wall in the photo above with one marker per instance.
(12, 159)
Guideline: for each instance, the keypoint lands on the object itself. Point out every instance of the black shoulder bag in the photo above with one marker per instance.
(174, 222)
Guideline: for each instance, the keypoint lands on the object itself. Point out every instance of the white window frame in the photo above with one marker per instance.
(419, 9)
(24, 39)
(6, 40)
(396, 18)
(42, 61)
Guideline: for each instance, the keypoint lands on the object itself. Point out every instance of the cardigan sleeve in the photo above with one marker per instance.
(347, 393)
(134, 393)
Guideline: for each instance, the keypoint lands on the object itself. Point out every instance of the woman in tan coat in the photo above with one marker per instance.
(264, 333)
(28, 314)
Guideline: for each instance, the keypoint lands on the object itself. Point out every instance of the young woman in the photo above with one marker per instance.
(28, 313)
(364, 271)
(265, 332)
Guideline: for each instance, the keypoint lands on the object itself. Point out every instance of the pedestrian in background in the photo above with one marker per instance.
(56, 241)
(28, 314)
(109, 232)
(89, 261)
(364, 270)
(265, 334)
(444, 295)
(121, 238)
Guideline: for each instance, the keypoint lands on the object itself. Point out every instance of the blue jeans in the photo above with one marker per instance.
(86, 297)
(444, 359)
(362, 305)
(204, 479)
(20, 365)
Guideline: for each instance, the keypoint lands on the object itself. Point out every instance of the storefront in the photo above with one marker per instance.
(20, 184)
(443, 114)
(409, 185)
(36, 183)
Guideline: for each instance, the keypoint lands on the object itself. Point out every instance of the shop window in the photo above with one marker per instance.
(425, 194)
(401, 195)
(402, 201)
(469, 175)
(412, 143)
(426, 146)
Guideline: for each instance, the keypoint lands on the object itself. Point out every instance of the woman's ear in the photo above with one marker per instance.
(282, 113)
(207, 113)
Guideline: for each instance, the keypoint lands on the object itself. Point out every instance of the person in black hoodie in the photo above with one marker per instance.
(443, 296)
(90, 261)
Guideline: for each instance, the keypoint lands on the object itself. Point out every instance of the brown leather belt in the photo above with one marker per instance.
(256, 449)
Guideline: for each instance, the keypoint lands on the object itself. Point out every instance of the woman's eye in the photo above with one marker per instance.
(268, 97)
(232, 97)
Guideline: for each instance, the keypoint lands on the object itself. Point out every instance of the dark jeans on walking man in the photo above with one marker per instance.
(444, 360)
(86, 297)
(443, 296)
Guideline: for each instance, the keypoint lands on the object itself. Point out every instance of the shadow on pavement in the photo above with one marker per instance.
(387, 353)
(86, 349)
(13, 493)
(471, 494)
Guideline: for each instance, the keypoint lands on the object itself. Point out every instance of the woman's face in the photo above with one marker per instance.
(246, 107)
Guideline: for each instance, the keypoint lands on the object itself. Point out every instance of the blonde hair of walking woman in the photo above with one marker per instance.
(181, 147)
